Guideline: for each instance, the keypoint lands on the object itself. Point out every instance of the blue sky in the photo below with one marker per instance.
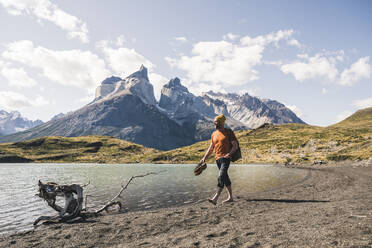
(313, 56)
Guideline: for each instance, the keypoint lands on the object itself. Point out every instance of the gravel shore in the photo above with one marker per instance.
(332, 207)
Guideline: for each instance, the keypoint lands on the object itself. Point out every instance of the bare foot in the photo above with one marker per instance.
(228, 200)
(212, 201)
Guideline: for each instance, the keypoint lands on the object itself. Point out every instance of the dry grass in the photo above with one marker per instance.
(289, 143)
(86, 149)
(293, 143)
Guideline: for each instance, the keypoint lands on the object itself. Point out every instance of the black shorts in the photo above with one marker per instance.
(223, 178)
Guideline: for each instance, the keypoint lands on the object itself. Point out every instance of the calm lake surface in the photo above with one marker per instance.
(175, 185)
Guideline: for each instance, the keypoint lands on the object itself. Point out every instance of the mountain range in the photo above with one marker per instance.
(127, 109)
(12, 122)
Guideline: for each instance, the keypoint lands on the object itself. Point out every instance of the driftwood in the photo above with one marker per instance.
(73, 195)
(123, 187)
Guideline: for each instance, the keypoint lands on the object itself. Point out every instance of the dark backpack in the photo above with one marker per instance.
(237, 154)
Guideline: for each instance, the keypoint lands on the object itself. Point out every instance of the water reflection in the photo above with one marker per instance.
(173, 185)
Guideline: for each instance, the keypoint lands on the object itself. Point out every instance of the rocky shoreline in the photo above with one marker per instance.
(331, 208)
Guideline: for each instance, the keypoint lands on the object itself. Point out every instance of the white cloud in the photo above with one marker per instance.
(220, 62)
(17, 77)
(120, 40)
(318, 66)
(180, 39)
(294, 42)
(10, 100)
(39, 101)
(264, 40)
(70, 67)
(251, 91)
(227, 63)
(303, 56)
(123, 61)
(324, 66)
(46, 10)
(324, 91)
(158, 82)
(340, 56)
(230, 36)
(86, 99)
(363, 103)
(276, 63)
(296, 110)
(343, 115)
(357, 71)
(199, 88)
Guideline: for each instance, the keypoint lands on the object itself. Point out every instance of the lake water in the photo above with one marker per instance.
(174, 185)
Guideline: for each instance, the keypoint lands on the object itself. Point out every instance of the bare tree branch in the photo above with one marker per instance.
(85, 185)
(113, 202)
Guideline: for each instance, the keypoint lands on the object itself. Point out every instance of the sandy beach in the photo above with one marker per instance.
(332, 207)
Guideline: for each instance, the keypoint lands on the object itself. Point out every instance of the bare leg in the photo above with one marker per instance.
(229, 193)
(215, 197)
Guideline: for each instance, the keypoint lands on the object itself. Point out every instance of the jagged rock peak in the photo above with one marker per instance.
(137, 83)
(111, 80)
(175, 84)
(218, 94)
(141, 73)
(269, 101)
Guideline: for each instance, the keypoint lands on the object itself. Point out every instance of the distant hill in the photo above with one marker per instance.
(88, 149)
(362, 117)
(350, 139)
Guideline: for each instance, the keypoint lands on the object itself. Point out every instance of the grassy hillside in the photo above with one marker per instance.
(361, 118)
(87, 149)
(350, 139)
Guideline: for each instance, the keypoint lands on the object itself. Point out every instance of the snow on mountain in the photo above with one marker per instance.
(240, 110)
(12, 122)
(251, 110)
(127, 109)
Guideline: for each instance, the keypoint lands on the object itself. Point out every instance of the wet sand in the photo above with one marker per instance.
(331, 208)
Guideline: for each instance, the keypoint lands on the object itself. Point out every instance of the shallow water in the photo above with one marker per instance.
(174, 185)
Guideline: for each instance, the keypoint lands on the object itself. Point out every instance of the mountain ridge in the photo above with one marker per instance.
(127, 109)
(12, 122)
